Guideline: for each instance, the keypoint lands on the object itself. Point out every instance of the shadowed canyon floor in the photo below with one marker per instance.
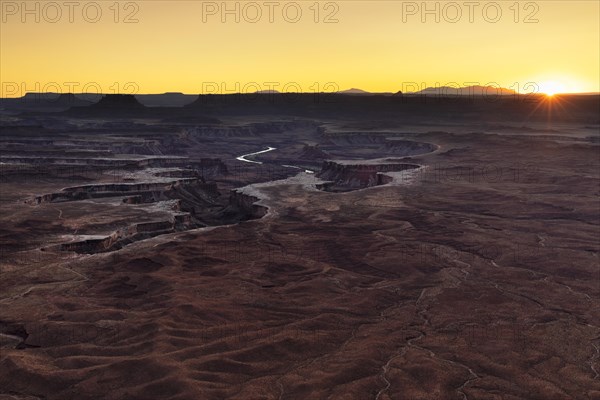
(416, 262)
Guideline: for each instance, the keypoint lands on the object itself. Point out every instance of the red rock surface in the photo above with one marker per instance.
(477, 279)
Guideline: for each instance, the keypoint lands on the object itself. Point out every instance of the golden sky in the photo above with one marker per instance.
(189, 46)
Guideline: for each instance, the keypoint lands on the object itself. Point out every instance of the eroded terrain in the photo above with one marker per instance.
(299, 257)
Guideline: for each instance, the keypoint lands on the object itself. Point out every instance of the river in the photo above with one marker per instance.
(269, 148)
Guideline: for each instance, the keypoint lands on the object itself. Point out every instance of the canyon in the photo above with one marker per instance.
(383, 248)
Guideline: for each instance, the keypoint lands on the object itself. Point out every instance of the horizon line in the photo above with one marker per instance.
(341, 92)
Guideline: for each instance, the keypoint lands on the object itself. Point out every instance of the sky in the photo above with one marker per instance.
(155, 46)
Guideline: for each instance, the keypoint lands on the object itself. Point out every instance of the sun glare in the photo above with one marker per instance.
(550, 88)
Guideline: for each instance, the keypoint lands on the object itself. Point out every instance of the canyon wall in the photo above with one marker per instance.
(343, 175)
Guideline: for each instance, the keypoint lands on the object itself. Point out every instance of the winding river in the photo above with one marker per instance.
(243, 157)
(269, 148)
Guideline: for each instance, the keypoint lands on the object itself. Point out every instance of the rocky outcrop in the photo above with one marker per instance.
(90, 246)
(241, 207)
(209, 167)
(194, 190)
(137, 199)
(313, 153)
(246, 204)
(345, 175)
(184, 219)
(121, 187)
(154, 226)
(383, 179)
(120, 101)
(111, 105)
(128, 235)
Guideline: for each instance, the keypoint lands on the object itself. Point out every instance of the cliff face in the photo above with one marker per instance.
(313, 153)
(211, 167)
(241, 206)
(119, 101)
(128, 235)
(379, 142)
(193, 190)
(249, 130)
(344, 176)
(247, 204)
(90, 246)
(119, 187)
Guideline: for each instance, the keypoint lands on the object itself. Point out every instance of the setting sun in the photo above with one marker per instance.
(550, 88)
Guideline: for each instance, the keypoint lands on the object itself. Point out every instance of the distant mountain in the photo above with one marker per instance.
(475, 90)
(355, 91)
(168, 99)
(44, 101)
(270, 91)
(360, 92)
(110, 104)
(55, 99)
(121, 101)
(36, 96)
